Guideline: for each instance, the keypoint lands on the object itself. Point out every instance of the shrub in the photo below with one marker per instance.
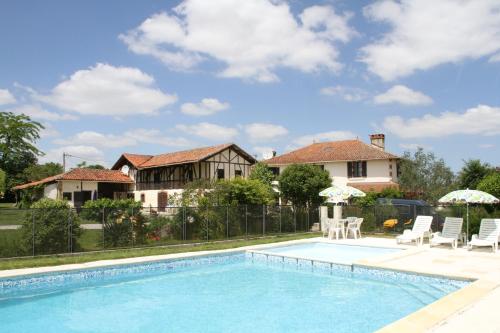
(301, 184)
(56, 227)
(124, 223)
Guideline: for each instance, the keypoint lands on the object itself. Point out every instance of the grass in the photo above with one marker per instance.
(10, 214)
(140, 252)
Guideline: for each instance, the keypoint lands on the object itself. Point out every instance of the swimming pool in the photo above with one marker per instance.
(224, 293)
(339, 253)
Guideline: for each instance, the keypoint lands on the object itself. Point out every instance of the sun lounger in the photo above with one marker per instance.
(416, 234)
(452, 230)
(488, 234)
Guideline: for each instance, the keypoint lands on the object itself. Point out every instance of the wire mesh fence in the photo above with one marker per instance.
(33, 232)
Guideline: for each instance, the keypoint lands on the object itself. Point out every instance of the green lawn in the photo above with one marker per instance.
(10, 214)
(139, 252)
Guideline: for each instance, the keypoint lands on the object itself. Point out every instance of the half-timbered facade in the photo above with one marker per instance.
(158, 176)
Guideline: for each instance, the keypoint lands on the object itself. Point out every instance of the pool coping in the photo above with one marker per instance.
(421, 320)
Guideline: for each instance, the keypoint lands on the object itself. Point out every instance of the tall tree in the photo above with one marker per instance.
(18, 134)
(260, 171)
(472, 173)
(491, 184)
(301, 184)
(90, 166)
(425, 176)
(40, 171)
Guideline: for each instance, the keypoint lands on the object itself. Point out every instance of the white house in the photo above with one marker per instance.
(82, 184)
(367, 167)
(156, 177)
(150, 179)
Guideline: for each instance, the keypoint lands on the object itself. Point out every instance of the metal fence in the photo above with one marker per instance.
(33, 232)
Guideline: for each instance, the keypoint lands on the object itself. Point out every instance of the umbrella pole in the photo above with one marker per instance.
(467, 240)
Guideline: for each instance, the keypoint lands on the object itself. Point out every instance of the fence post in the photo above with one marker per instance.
(184, 225)
(70, 232)
(33, 231)
(102, 226)
(307, 218)
(132, 226)
(246, 221)
(207, 220)
(280, 218)
(263, 220)
(295, 218)
(227, 221)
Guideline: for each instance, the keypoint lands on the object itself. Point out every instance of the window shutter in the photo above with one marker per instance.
(349, 169)
(363, 166)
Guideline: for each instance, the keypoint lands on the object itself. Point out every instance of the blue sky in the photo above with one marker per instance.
(107, 77)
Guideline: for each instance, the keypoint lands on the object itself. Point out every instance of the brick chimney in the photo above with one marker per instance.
(378, 141)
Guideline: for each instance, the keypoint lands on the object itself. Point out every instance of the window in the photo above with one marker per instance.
(356, 169)
(143, 198)
(275, 171)
(220, 173)
(237, 173)
(67, 196)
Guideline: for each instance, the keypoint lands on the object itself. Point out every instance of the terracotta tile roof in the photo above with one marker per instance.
(348, 150)
(178, 157)
(373, 187)
(136, 159)
(82, 174)
(38, 182)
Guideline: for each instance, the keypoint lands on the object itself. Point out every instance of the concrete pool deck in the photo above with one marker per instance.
(472, 308)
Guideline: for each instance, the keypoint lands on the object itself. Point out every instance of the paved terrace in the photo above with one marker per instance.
(475, 308)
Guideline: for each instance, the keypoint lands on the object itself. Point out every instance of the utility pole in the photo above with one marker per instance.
(64, 162)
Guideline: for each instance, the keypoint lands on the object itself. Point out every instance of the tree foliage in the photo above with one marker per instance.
(301, 184)
(491, 184)
(18, 134)
(90, 166)
(40, 171)
(260, 171)
(241, 191)
(2, 183)
(46, 227)
(424, 176)
(472, 173)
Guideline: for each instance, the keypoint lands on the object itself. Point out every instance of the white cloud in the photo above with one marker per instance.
(486, 145)
(318, 137)
(264, 152)
(48, 131)
(6, 97)
(206, 107)
(251, 38)
(107, 90)
(414, 146)
(37, 112)
(347, 93)
(427, 33)
(209, 131)
(258, 132)
(128, 138)
(495, 58)
(402, 95)
(481, 120)
(154, 136)
(89, 153)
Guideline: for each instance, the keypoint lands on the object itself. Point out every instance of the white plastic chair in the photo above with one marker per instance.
(354, 227)
(336, 227)
(489, 232)
(421, 226)
(452, 230)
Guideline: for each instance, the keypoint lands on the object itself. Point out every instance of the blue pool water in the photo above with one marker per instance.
(330, 252)
(232, 293)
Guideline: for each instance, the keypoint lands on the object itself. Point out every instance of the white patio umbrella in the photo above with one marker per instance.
(468, 196)
(340, 194)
